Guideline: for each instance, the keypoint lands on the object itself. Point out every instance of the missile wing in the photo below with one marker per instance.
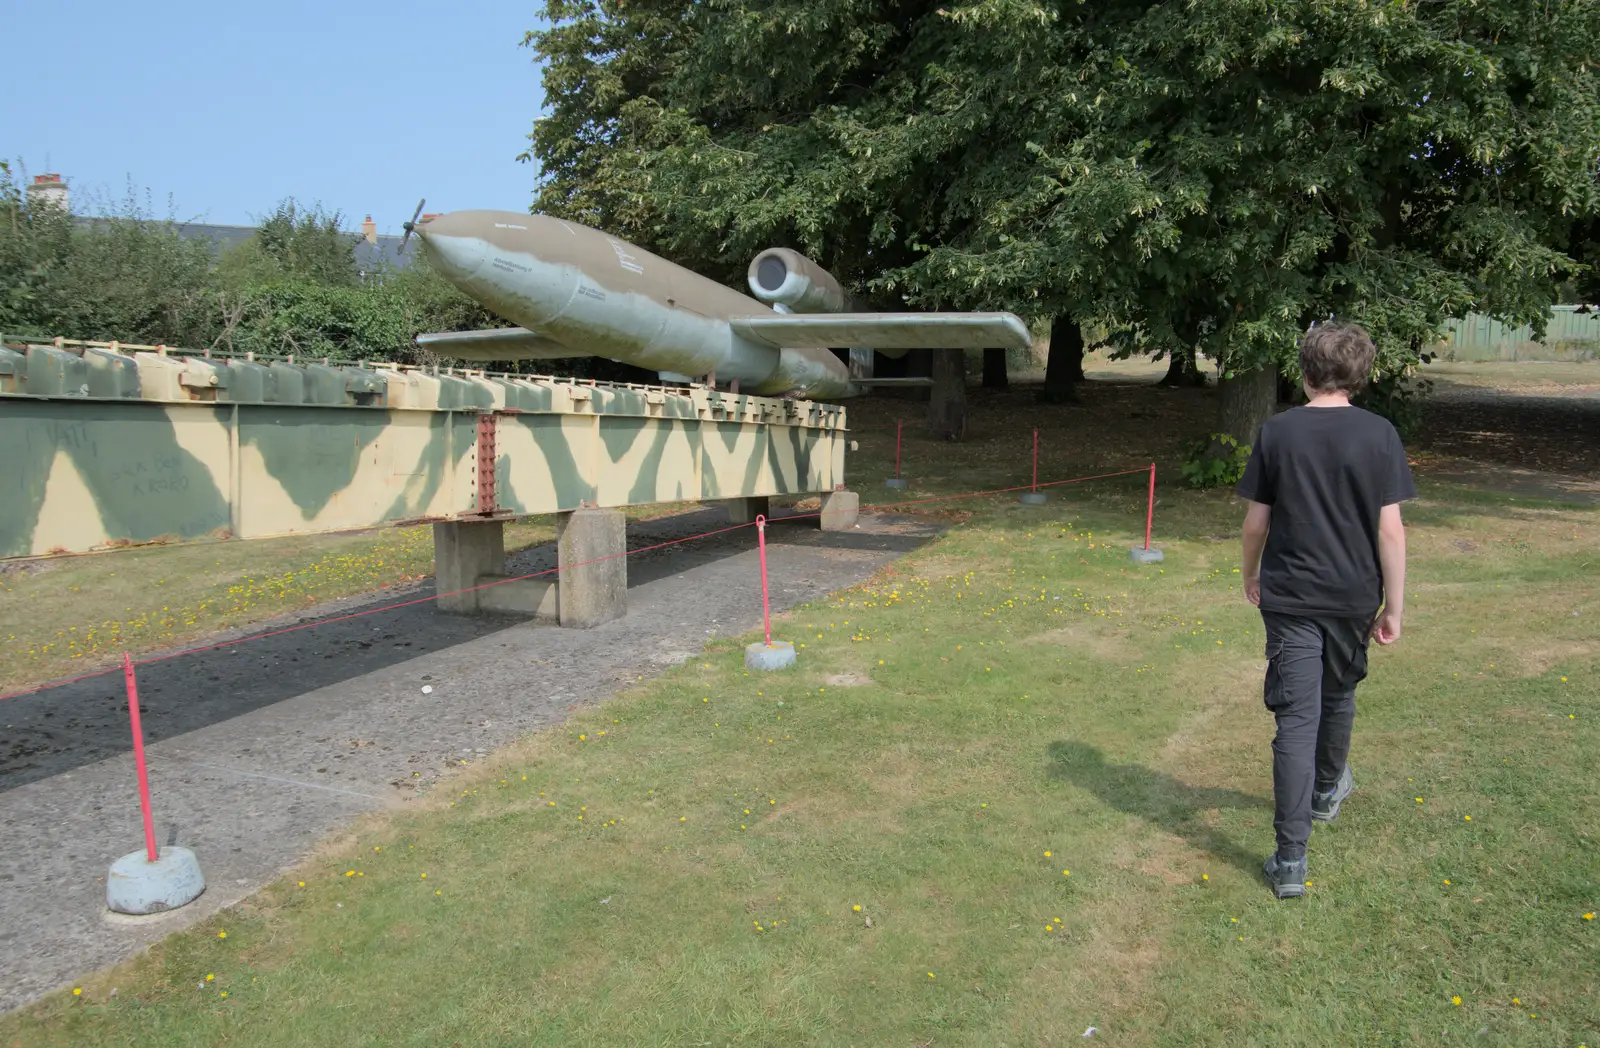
(886, 330)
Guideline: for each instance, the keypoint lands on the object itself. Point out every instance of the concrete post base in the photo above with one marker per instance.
(745, 511)
(1034, 498)
(1140, 555)
(463, 552)
(840, 510)
(763, 656)
(896, 482)
(137, 886)
(592, 590)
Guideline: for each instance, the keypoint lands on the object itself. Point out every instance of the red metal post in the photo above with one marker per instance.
(138, 757)
(1035, 460)
(898, 426)
(766, 606)
(1150, 509)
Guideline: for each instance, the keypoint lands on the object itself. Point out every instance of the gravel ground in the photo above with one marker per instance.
(257, 751)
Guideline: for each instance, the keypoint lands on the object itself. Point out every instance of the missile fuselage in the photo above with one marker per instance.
(603, 296)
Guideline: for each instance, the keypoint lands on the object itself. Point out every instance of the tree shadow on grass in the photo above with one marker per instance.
(1166, 803)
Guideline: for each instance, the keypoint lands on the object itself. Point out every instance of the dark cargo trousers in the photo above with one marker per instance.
(1313, 667)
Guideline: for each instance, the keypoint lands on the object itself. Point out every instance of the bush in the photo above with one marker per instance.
(1215, 461)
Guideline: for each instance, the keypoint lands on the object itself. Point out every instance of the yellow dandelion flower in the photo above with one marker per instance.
(930, 975)
(1205, 876)
(1066, 873)
(222, 935)
(1456, 1001)
(209, 976)
(1047, 855)
(857, 909)
(77, 991)
(1589, 916)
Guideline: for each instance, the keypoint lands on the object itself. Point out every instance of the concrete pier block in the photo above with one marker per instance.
(839, 510)
(1140, 555)
(592, 590)
(464, 550)
(745, 511)
(538, 598)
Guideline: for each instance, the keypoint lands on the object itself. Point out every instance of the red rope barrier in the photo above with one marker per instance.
(150, 660)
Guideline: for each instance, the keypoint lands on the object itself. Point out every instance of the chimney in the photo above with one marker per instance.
(369, 229)
(48, 189)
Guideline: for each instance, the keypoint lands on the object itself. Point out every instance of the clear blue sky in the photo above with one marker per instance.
(362, 105)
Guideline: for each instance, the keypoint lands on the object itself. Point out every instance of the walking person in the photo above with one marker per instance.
(1325, 561)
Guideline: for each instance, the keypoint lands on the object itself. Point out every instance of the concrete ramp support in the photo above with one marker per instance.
(592, 546)
(745, 510)
(590, 586)
(469, 570)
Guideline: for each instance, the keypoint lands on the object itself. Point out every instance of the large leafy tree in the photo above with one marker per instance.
(1211, 174)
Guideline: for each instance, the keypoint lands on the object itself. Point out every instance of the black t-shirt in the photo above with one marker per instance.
(1326, 473)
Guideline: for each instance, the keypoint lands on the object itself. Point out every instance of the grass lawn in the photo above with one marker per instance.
(63, 616)
(1016, 787)
(697, 861)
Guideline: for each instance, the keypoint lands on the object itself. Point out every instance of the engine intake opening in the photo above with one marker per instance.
(771, 273)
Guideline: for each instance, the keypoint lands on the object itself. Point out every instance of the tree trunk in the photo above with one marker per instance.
(994, 369)
(1064, 365)
(919, 364)
(1182, 369)
(947, 406)
(1245, 403)
(1288, 391)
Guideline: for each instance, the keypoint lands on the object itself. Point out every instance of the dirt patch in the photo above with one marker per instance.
(847, 680)
(1533, 662)
(1084, 639)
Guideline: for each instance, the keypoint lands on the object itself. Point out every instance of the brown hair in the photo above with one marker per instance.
(1336, 356)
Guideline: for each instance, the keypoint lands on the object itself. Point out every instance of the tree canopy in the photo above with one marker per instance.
(1220, 172)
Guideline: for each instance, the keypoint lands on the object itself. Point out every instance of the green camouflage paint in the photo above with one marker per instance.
(110, 445)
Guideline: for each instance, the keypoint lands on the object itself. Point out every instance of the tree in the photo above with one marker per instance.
(994, 369)
(294, 243)
(947, 402)
(1140, 167)
(128, 277)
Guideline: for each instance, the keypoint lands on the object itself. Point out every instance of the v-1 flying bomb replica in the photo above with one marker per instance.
(576, 291)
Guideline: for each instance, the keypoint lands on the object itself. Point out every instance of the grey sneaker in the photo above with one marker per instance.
(1325, 806)
(1288, 879)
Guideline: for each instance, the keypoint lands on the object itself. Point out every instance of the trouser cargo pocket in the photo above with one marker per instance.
(1272, 689)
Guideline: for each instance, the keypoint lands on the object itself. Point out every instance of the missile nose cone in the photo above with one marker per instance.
(455, 246)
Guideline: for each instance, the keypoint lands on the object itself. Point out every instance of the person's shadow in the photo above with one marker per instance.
(1160, 799)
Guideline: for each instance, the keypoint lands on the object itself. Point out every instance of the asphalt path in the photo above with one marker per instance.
(259, 750)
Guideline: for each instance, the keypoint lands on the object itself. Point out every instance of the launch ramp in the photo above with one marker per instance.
(109, 445)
